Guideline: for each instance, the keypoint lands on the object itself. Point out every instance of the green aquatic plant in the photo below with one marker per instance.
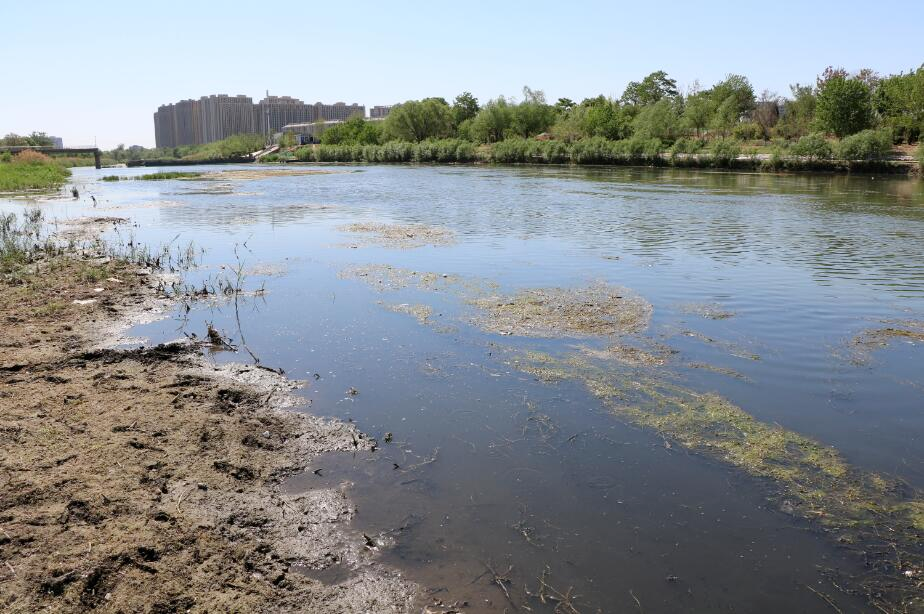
(881, 516)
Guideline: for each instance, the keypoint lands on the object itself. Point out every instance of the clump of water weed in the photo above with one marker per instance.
(631, 355)
(384, 277)
(710, 311)
(874, 339)
(420, 312)
(400, 236)
(600, 309)
(880, 516)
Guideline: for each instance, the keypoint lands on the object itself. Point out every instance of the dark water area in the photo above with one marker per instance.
(760, 286)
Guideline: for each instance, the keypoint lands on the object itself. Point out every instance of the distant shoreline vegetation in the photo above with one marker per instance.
(725, 154)
(844, 121)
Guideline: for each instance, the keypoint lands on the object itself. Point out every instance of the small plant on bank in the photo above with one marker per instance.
(867, 145)
(813, 146)
(725, 152)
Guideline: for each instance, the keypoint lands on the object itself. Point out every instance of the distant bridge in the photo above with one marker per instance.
(52, 151)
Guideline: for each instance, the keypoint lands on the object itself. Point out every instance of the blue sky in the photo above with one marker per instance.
(99, 69)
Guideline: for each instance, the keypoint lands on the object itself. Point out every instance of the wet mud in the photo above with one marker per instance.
(148, 479)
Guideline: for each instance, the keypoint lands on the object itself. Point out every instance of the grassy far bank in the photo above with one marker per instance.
(30, 170)
(867, 150)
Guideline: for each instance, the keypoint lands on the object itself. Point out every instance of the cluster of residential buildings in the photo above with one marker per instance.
(212, 118)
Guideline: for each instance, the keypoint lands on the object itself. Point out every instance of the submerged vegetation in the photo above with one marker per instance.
(30, 170)
(400, 236)
(600, 309)
(878, 516)
(153, 176)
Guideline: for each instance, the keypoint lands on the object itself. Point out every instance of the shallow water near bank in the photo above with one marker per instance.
(485, 465)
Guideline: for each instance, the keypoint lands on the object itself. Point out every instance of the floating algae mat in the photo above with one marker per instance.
(599, 309)
(399, 236)
(870, 340)
(882, 517)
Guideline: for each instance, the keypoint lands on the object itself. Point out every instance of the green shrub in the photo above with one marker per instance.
(725, 151)
(812, 146)
(110, 178)
(776, 161)
(748, 131)
(554, 152)
(639, 148)
(866, 145)
(686, 145)
(595, 150)
(921, 157)
(510, 151)
(6, 157)
(398, 151)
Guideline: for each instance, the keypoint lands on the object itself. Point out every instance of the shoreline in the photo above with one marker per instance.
(149, 478)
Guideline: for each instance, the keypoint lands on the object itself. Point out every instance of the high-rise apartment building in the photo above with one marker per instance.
(212, 118)
(274, 112)
(379, 111)
(339, 111)
(222, 116)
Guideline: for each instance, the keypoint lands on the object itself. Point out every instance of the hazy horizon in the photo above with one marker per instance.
(101, 71)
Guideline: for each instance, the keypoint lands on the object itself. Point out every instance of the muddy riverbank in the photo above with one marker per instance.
(147, 479)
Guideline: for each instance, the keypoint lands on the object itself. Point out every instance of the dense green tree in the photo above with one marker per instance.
(418, 120)
(899, 101)
(798, 113)
(844, 105)
(565, 105)
(607, 118)
(650, 90)
(36, 139)
(40, 139)
(660, 120)
(736, 92)
(492, 123)
(697, 112)
(532, 116)
(725, 116)
(354, 131)
(464, 107)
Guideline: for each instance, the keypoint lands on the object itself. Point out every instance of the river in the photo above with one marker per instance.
(761, 288)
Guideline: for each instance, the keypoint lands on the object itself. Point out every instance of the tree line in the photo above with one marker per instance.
(838, 105)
